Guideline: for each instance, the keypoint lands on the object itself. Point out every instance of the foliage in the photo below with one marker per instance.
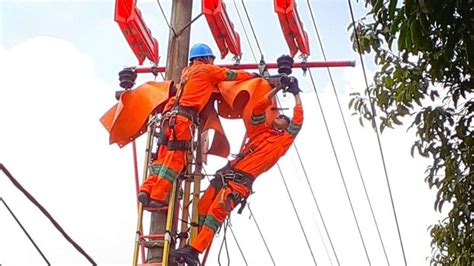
(425, 53)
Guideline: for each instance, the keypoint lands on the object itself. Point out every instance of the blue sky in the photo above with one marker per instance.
(60, 60)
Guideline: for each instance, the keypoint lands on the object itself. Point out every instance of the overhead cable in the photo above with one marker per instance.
(297, 215)
(316, 203)
(238, 246)
(347, 131)
(166, 18)
(338, 165)
(253, 31)
(260, 232)
(374, 123)
(46, 213)
(26, 232)
(245, 31)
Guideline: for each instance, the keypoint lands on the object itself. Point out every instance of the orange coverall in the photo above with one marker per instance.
(200, 79)
(267, 147)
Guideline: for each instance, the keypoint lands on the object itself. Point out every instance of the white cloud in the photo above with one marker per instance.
(53, 143)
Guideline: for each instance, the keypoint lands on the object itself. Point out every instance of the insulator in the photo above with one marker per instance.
(127, 78)
(285, 63)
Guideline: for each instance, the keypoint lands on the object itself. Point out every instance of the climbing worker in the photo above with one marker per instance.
(233, 184)
(179, 119)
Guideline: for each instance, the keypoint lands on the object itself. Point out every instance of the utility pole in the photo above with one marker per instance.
(178, 47)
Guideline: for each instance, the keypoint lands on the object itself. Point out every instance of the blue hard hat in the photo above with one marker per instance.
(200, 50)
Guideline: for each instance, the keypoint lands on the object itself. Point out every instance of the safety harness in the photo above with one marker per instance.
(169, 120)
(229, 174)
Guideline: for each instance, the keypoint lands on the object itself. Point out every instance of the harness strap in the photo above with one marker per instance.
(229, 174)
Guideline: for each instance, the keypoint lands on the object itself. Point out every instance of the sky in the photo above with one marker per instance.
(59, 62)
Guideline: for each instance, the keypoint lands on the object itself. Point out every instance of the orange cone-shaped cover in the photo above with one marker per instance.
(127, 119)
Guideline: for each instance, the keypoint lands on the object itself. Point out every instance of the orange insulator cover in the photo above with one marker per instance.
(127, 119)
(292, 27)
(221, 27)
(138, 35)
(238, 99)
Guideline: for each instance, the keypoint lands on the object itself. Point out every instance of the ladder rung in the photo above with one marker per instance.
(162, 209)
(157, 236)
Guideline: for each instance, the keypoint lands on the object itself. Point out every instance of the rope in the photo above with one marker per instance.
(338, 165)
(297, 215)
(26, 232)
(46, 213)
(226, 223)
(347, 131)
(374, 123)
(245, 31)
(261, 235)
(315, 201)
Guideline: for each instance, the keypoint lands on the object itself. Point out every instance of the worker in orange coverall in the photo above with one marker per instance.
(179, 120)
(233, 183)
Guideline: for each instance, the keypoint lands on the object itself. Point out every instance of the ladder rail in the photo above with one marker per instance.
(139, 230)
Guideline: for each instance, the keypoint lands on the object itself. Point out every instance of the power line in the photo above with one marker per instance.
(297, 215)
(374, 123)
(26, 232)
(245, 31)
(315, 201)
(46, 213)
(260, 232)
(347, 130)
(338, 165)
(237, 242)
(166, 19)
(253, 31)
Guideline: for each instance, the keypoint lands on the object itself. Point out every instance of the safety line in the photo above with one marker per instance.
(338, 164)
(315, 202)
(245, 31)
(166, 19)
(297, 215)
(374, 123)
(238, 246)
(260, 232)
(347, 131)
(24, 231)
(224, 241)
(253, 31)
(46, 213)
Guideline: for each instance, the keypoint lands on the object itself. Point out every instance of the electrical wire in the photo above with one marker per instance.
(374, 123)
(24, 231)
(245, 31)
(238, 246)
(166, 19)
(338, 165)
(315, 201)
(260, 232)
(253, 30)
(297, 215)
(347, 130)
(46, 213)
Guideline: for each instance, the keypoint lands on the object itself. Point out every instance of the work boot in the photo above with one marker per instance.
(188, 255)
(144, 198)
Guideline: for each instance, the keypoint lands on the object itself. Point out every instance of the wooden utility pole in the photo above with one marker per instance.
(178, 47)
